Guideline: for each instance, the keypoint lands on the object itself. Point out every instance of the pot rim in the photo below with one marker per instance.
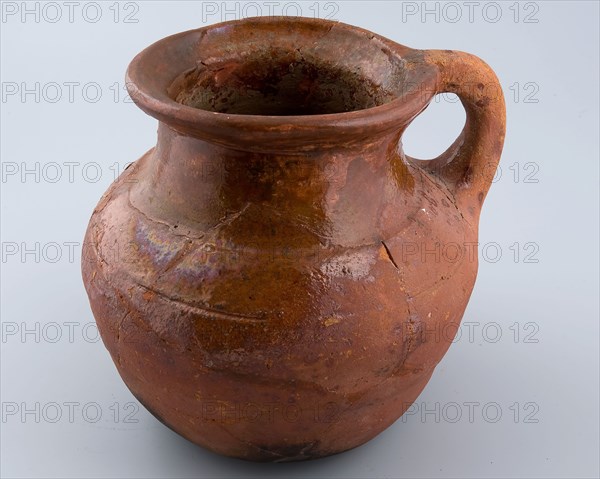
(248, 130)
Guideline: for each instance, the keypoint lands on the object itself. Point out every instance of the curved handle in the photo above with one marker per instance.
(468, 166)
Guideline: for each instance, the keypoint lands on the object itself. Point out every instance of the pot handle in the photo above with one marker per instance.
(468, 166)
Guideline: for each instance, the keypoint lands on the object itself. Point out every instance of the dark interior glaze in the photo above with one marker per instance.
(280, 83)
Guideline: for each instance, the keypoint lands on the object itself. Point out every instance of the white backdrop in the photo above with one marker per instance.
(517, 394)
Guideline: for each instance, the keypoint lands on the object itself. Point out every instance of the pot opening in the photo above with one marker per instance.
(278, 84)
(281, 83)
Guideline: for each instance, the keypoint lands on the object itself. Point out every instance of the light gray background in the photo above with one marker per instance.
(541, 374)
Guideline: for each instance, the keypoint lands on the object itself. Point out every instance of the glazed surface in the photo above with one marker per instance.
(259, 327)
(275, 280)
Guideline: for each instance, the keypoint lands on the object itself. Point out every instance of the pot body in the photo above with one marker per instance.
(284, 304)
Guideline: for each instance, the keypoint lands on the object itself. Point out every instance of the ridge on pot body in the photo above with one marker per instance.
(276, 280)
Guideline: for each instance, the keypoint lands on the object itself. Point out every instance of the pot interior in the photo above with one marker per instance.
(280, 83)
(285, 66)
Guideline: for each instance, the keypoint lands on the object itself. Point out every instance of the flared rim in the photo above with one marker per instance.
(152, 96)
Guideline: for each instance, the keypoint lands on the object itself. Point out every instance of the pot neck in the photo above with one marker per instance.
(337, 194)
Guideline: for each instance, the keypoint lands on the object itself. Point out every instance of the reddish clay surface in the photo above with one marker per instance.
(275, 280)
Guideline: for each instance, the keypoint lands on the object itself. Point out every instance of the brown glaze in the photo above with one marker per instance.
(276, 280)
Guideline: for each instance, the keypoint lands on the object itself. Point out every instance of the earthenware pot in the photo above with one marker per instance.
(276, 280)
